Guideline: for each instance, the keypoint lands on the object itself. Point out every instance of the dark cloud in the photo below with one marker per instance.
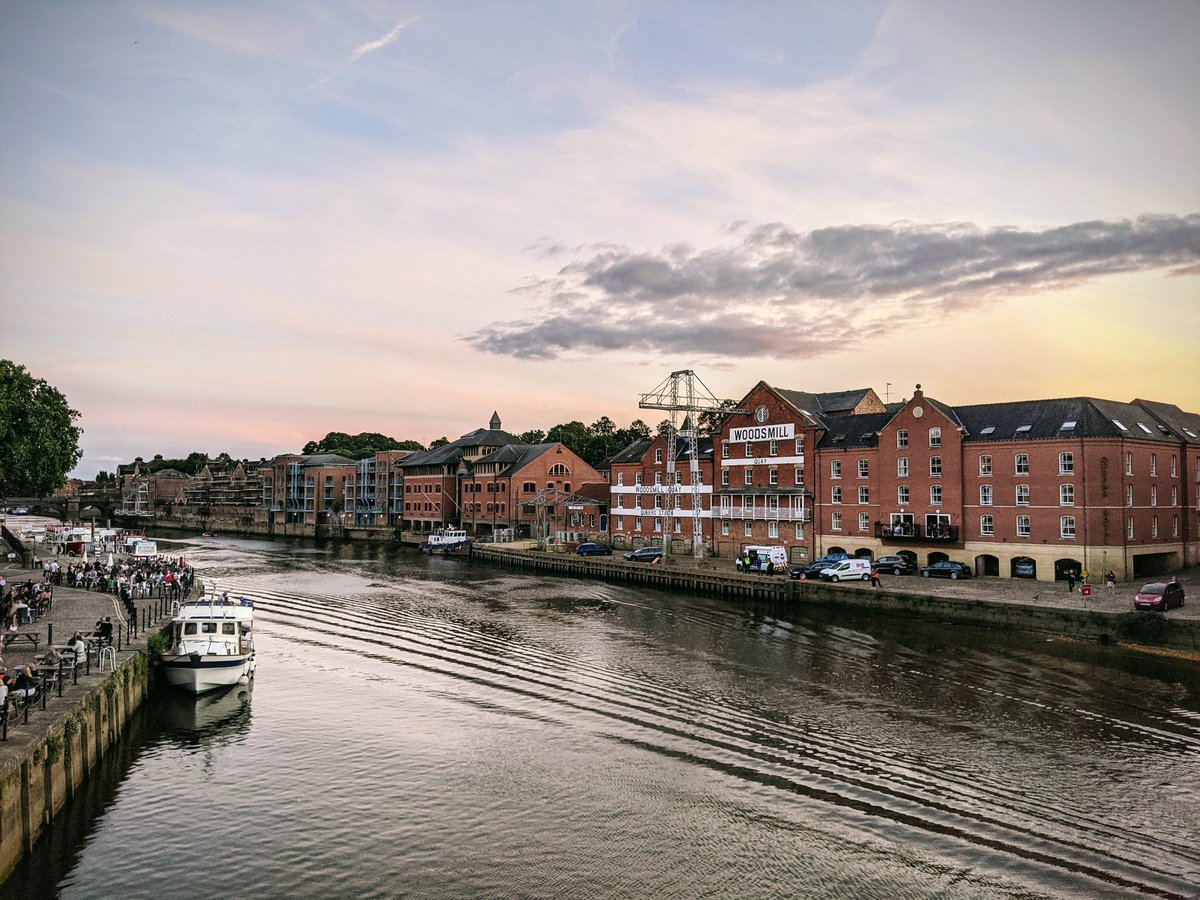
(777, 291)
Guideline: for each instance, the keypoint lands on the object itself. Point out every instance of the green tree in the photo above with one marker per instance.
(39, 442)
(533, 436)
(357, 446)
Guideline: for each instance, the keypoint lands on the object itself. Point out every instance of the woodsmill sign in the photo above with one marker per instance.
(782, 432)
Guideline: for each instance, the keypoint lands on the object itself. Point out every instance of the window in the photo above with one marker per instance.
(1129, 463)
(864, 522)
(724, 478)
(835, 494)
(620, 479)
(1066, 528)
(658, 498)
(773, 475)
(1129, 528)
(725, 528)
(1174, 526)
(864, 494)
(1129, 495)
(986, 525)
(985, 465)
(658, 524)
(679, 526)
(637, 479)
(864, 468)
(637, 501)
(678, 477)
(748, 476)
(1022, 526)
(1022, 495)
(773, 449)
(1153, 524)
(529, 487)
(935, 466)
(935, 495)
(658, 477)
(835, 522)
(835, 468)
(1174, 496)
(902, 439)
(637, 523)
(799, 474)
(748, 530)
(1153, 463)
(1066, 463)
(1174, 465)
(620, 523)
(749, 449)
(799, 531)
(724, 449)
(1021, 463)
(1066, 495)
(902, 495)
(985, 495)
(935, 437)
(773, 529)
(902, 467)
(1154, 495)
(620, 501)
(658, 454)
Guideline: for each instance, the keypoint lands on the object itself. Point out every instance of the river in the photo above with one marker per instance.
(426, 727)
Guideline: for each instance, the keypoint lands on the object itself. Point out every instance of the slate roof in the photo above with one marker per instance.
(854, 431)
(633, 453)
(515, 457)
(453, 452)
(1050, 419)
(326, 459)
(1184, 425)
(819, 408)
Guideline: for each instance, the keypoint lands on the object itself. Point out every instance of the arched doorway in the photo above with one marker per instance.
(864, 553)
(1065, 565)
(835, 551)
(986, 564)
(937, 556)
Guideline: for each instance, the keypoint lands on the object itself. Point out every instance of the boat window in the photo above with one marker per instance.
(227, 628)
(209, 627)
(189, 627)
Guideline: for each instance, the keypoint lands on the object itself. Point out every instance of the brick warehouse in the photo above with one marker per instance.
(1021, 489)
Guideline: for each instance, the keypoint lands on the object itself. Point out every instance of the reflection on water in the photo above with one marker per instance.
(432, 727)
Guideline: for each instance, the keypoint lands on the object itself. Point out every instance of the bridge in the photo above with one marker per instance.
(65, 509)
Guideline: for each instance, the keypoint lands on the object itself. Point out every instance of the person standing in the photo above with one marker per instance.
(1111, 580)
(1070, 581)
(875, 576)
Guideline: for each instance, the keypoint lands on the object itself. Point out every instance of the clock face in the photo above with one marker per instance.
(918, 412)
(760, 414)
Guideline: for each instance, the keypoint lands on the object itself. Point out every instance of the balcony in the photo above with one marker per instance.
(913, 533)
(764, 514)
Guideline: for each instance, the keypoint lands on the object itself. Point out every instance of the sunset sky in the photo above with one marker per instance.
(238, 226)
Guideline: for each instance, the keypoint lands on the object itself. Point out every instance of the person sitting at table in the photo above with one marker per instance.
(104, 631)
(78, 646)
(50, 658)
(25, 684)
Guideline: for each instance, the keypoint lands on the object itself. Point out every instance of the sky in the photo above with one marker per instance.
(235, 227)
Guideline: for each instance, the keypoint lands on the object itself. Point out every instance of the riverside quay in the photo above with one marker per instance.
(1037, 489)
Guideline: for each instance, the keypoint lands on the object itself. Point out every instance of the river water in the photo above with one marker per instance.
(439, 728)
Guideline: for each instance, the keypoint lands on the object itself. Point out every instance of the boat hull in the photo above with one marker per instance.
(460, 549)
(198, 674)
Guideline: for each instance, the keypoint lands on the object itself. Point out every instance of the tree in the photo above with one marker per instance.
(533, 436)
(39, 442)
(357, 446)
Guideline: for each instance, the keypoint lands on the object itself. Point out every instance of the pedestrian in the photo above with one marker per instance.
(874, 576)
(1070, 573)
(1111, 580)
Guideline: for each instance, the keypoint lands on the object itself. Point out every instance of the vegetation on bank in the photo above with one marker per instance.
(39, 441)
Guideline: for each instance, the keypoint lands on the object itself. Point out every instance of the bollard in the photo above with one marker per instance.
(43, 691)
(120, 634)
(88, 664)
(50, 634)
(4, 708)
(60, 676)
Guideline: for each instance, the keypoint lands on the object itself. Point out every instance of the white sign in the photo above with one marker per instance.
(782, 432)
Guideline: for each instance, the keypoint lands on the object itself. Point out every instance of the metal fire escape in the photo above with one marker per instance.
(683, 392)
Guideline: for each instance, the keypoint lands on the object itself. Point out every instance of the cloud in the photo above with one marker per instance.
(778, 291)
(369, 47)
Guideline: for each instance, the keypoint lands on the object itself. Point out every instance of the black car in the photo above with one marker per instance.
(591, 549)
(811, 570)
(644, 554)
(897, 565)
(946, 569)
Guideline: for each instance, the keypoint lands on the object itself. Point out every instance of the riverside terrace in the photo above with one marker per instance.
(72, 610)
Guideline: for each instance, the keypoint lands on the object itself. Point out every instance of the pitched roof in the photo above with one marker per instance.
(1184, 425)
(452, 452)
(854, 431)
(1080, 417)
(633, 453)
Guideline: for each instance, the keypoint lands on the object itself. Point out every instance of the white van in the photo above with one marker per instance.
(760, 556)
(848, 570)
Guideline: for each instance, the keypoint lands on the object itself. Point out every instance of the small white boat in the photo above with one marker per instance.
(212, 645)
(449, 541)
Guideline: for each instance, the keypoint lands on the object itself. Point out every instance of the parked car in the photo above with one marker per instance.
(644, 554)
(590, 549)
(897, 565)
(813, 569)
(946, 569)
(1025, 569)
(1159, 595)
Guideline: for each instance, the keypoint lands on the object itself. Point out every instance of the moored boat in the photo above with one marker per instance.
(449, 541)
(212, 645)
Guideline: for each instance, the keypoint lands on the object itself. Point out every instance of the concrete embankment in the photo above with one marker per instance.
(51, 751)
(987, 602)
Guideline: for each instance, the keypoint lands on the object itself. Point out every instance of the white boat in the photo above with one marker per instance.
(449, 541)
(212, 645)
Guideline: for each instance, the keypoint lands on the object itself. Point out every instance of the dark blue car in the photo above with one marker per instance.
(593, 550)
(644, 554)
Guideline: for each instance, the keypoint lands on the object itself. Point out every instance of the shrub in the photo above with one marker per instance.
(1143, 627)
